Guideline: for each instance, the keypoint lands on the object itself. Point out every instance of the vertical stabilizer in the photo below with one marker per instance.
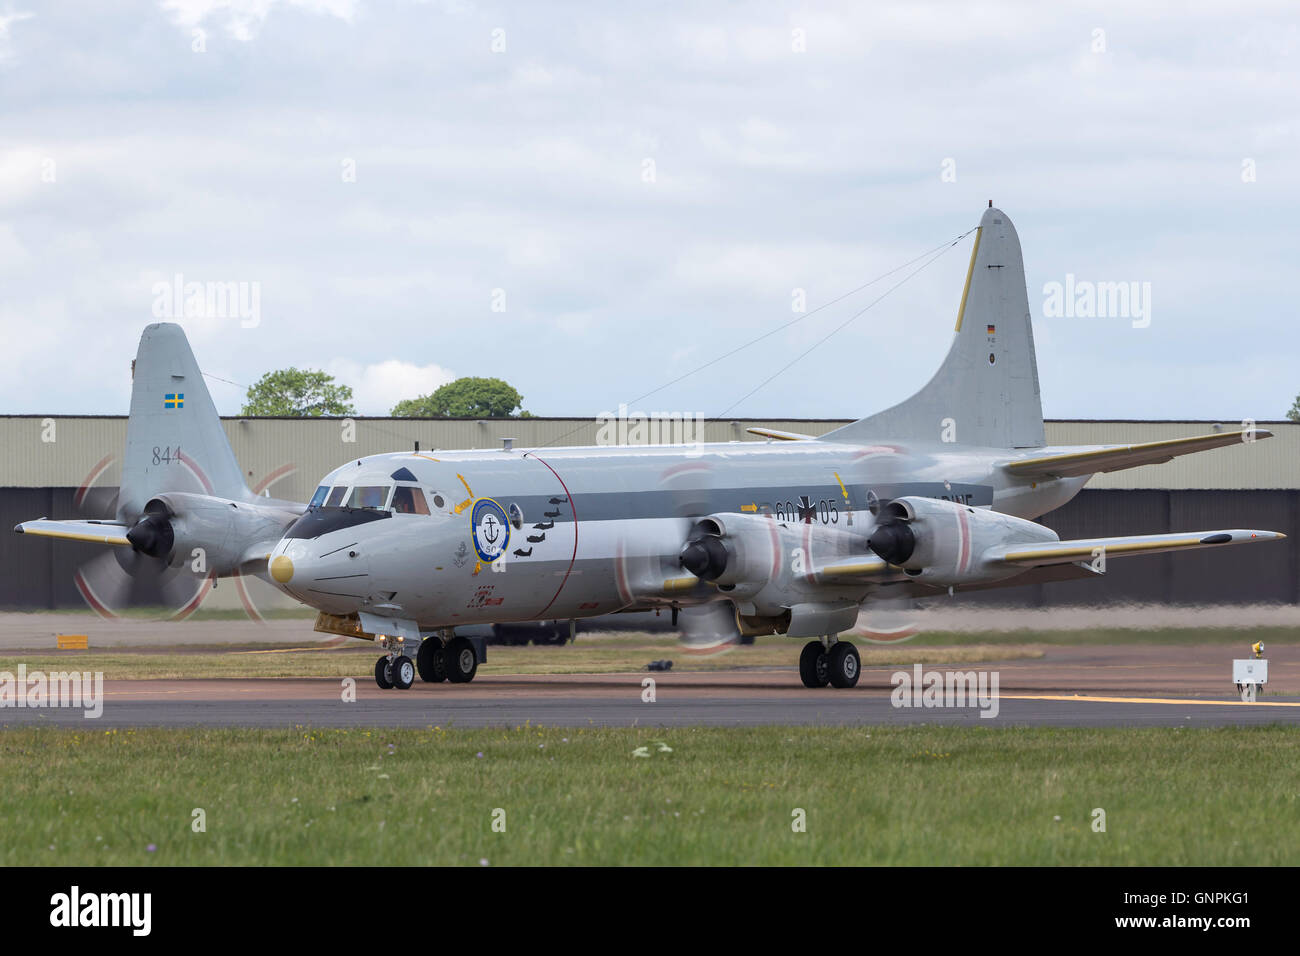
(986, 391)
(174, 438)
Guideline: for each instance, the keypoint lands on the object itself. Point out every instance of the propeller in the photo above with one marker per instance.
(141, 575)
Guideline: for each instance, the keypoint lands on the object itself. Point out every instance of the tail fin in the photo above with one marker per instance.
(988, 384)
(174, 438)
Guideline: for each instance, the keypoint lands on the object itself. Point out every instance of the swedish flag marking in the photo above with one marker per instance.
(174, 400)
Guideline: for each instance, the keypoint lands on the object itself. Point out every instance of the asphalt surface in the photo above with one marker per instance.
(732, 699)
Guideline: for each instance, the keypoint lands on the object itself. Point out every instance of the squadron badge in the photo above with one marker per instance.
(491, 529)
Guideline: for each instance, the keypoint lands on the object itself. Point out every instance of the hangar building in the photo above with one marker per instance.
(68, 467)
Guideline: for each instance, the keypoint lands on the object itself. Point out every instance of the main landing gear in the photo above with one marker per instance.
(829, 661)
(445, 658)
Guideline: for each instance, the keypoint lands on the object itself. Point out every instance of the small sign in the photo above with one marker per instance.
(72, 642)
(1250, 671)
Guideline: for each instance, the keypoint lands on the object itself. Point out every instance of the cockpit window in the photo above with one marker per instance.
(336, 497)
(409, 501)
(318, 499)
(368, 496)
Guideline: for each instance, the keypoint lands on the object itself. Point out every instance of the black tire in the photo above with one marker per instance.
(429, 661)
(461, 660)
(381, 674)
(845, 664)
(814, 665)
(402, 672)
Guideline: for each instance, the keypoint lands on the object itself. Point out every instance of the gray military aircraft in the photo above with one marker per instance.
(796, 534)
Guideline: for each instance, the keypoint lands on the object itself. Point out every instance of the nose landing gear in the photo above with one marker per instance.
(394, 671)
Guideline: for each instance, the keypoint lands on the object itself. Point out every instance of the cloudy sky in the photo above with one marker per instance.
(591, 200)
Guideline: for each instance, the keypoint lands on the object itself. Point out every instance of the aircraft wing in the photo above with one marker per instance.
(1117, 457)
(98, 532)
(1087, 549)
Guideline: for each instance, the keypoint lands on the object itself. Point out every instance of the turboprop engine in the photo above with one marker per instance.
(768, 569)
(946, 543)
(179, 527)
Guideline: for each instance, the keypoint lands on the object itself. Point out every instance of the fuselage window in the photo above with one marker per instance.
(318, 499)
(409, 501)
(336, 496)
(368, 496)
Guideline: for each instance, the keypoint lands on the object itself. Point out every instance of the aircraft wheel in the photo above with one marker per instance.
(382, 677)
(402, 672)
(814, 665)
(430, 663)
(461, 660)
(845, 664)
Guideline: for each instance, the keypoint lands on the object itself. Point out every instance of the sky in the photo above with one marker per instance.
(592, 200)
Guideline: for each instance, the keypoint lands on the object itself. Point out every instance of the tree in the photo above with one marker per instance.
(464, 398)
(1294, 414)
(298, 393)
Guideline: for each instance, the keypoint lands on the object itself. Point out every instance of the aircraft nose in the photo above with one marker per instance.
(282, 568)
(324, 574)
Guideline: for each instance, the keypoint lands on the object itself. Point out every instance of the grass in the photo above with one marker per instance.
(614, 655)
(897, 795)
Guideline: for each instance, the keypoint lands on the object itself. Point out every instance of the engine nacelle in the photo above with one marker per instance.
(768, 567)
(732, 549)
(944, 543)
(182, 527)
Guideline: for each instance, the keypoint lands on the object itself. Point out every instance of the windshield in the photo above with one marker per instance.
(409, 501)
(369, 496)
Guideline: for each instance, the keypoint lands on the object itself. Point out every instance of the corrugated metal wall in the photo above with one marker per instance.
(306, 449)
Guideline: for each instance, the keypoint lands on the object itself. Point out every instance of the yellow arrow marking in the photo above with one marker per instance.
(749, 507)
(469, 491)
(843, 490)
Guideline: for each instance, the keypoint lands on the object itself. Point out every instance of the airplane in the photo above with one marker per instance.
(795, 534)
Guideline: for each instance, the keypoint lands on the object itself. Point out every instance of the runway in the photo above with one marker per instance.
(727, 699)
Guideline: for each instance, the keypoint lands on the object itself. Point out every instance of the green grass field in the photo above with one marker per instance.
(718, 796)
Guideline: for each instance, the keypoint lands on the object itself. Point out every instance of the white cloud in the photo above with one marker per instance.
(242, 19)
(7, 19)
(522, 171)
(377, 387)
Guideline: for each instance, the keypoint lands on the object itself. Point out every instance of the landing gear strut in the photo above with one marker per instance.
(829, 661)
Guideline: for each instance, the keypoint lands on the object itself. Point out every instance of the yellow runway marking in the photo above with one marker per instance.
(290, 650)
(1151, 700)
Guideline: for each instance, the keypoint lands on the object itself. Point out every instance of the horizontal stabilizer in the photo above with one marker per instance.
(1090, 461)
(97, 532)
(778, 435)
(1088, 549)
